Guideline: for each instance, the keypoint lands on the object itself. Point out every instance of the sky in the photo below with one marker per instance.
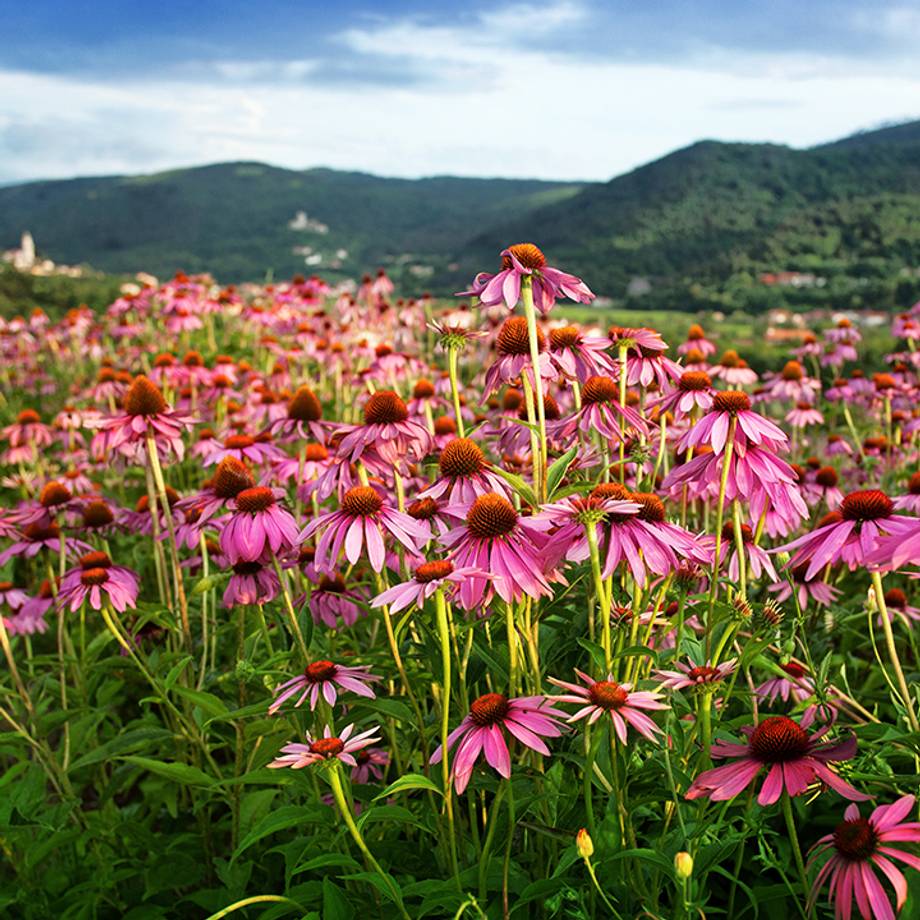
(563, 89)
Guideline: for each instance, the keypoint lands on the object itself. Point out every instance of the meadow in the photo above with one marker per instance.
(326, 602)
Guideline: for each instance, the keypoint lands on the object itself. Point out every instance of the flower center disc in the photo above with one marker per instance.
(304, 406)
(97, 514)
(731, 401)
(238, 441)
(144, 398)
(491, 516)
(826, 477)
(95, 560)
(704, 672)
(527, 254)
(691, 381)
(260, 498)
(489, 709)
(91, 577)
(651, 507)
(231, 478)
(792, 371)
(461, 457)
(321, 670)
(54, 493)
(855, 839)
(513, 338)
(778, 739)
(868, 505)
(607, 694)
(431, 571)
(385, 408)
(565, 337)
(361, 501)
(423, 509)
(599, 390)
(327, 747)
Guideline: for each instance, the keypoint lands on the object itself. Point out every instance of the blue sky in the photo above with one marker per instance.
(557, 89)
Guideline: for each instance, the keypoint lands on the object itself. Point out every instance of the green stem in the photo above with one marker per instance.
(452, 355)
(338, 792)
(794, 840)
(531, 316)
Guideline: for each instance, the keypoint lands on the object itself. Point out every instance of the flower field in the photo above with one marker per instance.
(328, 603)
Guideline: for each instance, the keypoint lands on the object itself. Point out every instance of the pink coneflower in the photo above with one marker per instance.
(428, 578)
(372, 763)
(750, 428)
(362, 519)
(495, 538)
(692, 391)
(528, 719)
(579, 356)
(465, 474)
(36, 537)
(513, 346)
(26, 436)
(242, 447)
(852, 534)
(910, 501)
(387, 431)
(804, 415)
(304, 418)
(646, 542)
(791, 383)
(251, 583)
(806, 589)
(518, 261)
(341, 747)
(624, 705)
(566, 521)
(331, 600)
(230, 478)
(695, 676)
(601, 412)
(97, 581)
(796, 685)
(327, 678)
(696, 341)
(793, 758)
(897, 606)
(733, 370)
(824, 488)
(258, 525)
(860, 846)
(145, 411)
(29, 614)
(757, 558)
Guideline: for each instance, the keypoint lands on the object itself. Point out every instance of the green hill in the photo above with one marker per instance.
(692, 230)
(703, 222)
(235, 219)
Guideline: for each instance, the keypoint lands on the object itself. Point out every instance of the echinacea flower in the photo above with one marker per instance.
(324, 677)
(258, 525)
(796, 685)
(623, 704)
(601, 412)
(428, 578)
(750, 428)
(693, 390)
(341, 747)
(251, 583)
(859, 847)
(518, 261)
(371, 765)
(495, 538)
(579, 356)
(793, 759)
(331, 600)
(696, 340)
(695, 676)
(304, 418)
(362, 519)
(145, 412)
(98, 581)
(529, 719)
(388, 431)
(852, 535)
(465, 474)
(514, 359)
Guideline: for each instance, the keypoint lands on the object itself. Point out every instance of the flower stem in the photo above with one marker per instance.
(289, 606)
(452, 370)
(794, 840)
(338, 792)
(444, 636)
(531, 316)
(903, 689)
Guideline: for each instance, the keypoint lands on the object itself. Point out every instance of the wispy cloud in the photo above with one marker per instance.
(553, 90)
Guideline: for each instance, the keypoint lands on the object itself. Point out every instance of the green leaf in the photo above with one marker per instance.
(181, 773)
(410, 781)
(556, 473)
(335, 904)
(518, 484)
(278, 820)
(208, 703)
(209, 582)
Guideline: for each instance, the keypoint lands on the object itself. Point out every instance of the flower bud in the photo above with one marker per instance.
(683, 865)
(584, 844)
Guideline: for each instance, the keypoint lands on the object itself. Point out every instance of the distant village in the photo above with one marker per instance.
(26, 260)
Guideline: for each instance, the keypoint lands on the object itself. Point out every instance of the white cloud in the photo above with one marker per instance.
(481, 101)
